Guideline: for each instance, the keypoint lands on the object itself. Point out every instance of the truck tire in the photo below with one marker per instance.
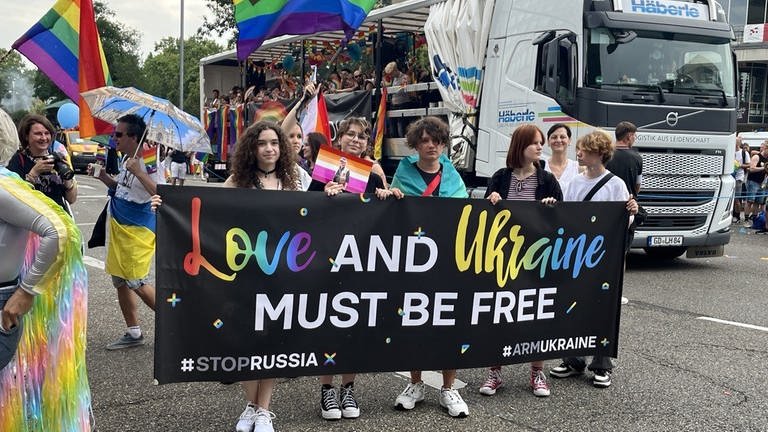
(665, 253)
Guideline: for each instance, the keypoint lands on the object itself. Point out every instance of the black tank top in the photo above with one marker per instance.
(758, 176)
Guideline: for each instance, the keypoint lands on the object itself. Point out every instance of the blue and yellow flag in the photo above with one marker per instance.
(131, 239)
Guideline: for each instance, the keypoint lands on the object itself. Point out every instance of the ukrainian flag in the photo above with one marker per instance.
(131, 239)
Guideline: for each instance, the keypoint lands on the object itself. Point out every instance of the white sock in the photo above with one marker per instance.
(135, 332)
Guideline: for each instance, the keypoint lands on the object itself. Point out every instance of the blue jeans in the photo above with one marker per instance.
(9, 340)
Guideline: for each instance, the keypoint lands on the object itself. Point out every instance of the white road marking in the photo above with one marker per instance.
(733, 323)
(93, 262)
(86, 223)
(434, 379)
(85, 186)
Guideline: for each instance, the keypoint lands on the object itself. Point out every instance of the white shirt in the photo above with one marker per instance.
(613, 190)
(570, 172)
(743, 157)
(130, 188)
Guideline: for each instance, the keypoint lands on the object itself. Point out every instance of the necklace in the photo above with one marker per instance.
(266, 173)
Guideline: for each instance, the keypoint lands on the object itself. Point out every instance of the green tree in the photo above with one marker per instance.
(121, 49)
(161, 69)
(11, 68)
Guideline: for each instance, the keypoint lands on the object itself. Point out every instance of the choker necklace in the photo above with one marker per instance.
(266, 173)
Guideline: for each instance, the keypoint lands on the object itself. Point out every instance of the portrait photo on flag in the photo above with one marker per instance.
(343, 168)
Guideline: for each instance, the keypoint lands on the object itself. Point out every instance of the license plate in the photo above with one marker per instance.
(220, 166)
(662, 241)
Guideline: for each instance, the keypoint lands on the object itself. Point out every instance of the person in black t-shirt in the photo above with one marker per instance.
(626, 163)
(178, 167)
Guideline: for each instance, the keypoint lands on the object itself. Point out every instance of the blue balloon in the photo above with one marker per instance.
(68, 115)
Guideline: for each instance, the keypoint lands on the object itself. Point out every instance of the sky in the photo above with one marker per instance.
(153, 19)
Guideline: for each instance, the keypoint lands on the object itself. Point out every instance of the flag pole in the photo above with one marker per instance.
(6, 55)
(181, 59)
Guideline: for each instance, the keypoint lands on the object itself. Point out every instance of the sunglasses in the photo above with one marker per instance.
(118, 134)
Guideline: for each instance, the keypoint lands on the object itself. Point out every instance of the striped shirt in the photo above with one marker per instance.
(523, 190)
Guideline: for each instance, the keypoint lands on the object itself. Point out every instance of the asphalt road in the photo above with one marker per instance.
(677, 369)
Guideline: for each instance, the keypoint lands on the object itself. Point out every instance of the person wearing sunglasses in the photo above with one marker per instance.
(524, 180)
(131, 243)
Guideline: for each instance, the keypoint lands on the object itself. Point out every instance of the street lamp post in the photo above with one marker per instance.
(181, 59)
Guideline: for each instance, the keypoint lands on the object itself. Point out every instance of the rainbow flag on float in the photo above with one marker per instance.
(316, 117)
(65, 45)
(258, 21)
(381, 119)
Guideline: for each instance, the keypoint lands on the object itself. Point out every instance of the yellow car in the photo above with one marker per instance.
(81, 151)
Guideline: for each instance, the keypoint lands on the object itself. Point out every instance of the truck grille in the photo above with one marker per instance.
(682, 163)
(661, 222)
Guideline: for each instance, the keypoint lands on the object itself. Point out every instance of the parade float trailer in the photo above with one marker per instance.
(665, 65)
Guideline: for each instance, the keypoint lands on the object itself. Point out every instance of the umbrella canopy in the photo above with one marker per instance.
(166, 124)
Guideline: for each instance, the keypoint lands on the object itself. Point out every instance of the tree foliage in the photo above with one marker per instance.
(10, 69)
(161, 70)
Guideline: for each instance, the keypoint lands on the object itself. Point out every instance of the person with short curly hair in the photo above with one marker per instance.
(429, 173)
(593, 151)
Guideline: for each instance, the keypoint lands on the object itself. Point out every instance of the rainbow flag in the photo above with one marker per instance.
(258, 21)
(379, 129)
(149, 155)
(65, 45)
(316, 117)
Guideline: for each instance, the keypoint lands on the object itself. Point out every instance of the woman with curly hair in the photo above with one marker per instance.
(264, 160)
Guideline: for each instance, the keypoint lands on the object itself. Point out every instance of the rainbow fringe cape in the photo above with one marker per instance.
(45, 388)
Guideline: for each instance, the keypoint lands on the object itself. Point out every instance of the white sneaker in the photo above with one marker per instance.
(451, 399)
(246, 420)
(263, 421)
(412, 394)
(624, 300)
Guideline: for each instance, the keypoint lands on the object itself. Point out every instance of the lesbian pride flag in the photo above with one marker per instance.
(316, 117)
(65, 45)
(258, 21)
(329, 165)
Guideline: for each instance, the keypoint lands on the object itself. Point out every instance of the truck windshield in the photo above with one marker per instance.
(676, 63)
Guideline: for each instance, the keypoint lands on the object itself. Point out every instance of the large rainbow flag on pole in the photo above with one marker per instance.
(381, 120)
(258, 21)
(65, 45)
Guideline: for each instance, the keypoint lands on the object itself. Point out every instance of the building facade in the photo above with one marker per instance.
(748, 19)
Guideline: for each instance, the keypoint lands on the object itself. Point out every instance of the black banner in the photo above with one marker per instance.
(254, 284)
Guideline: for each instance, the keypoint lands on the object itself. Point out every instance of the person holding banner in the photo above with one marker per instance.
(353, 134)
(429, 173)
(263, 160)
(523, 179)
(595, 184)
(131, 225)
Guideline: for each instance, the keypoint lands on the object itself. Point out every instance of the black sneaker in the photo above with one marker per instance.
(329, 403)
(349, 407)
(602, 378)
(564, 371)
(127, 341)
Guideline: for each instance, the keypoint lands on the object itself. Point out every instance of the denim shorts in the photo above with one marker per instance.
(132, 284)
(754, 193)
(9, 340)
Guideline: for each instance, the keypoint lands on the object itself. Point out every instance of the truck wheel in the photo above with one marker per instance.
(665, 253)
